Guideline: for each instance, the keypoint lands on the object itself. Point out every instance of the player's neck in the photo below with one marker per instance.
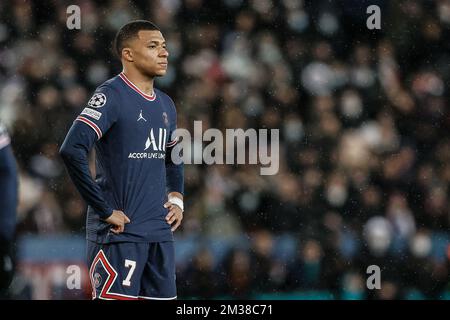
(144, 83)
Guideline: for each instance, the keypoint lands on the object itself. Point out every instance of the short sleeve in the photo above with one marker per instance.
(101, 111)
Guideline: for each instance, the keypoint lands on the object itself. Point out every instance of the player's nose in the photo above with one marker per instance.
(164, 53)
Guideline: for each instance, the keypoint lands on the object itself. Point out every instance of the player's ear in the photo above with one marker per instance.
(127, 54)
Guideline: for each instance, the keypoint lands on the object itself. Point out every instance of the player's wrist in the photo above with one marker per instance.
(177, 201)
(107, 214)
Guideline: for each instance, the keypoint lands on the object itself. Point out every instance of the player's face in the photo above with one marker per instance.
(150, 53)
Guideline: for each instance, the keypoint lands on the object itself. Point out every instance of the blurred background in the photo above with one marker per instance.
(364, 153)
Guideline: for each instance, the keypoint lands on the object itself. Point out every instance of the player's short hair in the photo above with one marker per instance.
(129, 31)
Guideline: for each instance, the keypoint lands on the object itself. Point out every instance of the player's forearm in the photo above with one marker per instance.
(89, 190)
(75, 156)
(175, 194)
(175, 178)
(7, 161)
(8, 194)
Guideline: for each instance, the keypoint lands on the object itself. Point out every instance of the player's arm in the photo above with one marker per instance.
(89, 126)
(74, 152)
(175, 203)
(8, 187)
(8, 206)
(175, 182)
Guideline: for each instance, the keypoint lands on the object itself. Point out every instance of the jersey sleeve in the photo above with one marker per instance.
(4, 137)
(174, 172)
(101, 111)
(94, 121)
(172, 127)
(8, 187)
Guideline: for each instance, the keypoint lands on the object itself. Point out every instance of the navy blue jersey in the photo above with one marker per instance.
(132, 133)
(8, 188)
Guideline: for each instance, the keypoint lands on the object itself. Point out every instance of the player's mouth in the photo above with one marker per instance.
(163, 64)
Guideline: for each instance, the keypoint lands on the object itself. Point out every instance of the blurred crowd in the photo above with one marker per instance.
(364, 136)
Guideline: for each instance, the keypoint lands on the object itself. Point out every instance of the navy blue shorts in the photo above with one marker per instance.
(132, 270)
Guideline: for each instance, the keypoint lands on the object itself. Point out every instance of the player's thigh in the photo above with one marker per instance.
(115, 269)
(158, 279)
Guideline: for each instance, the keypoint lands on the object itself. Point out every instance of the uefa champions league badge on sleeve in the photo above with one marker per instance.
(98, 100)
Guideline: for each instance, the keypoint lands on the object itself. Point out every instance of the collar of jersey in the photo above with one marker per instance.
(135, 88)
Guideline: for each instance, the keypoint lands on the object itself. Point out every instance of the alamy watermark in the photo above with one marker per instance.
(73, 17)
(237, 146)
(374, 20)
(74, 274)
(73, 280)
(374, 280)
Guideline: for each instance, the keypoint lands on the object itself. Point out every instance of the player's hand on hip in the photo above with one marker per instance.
(174, 216)
(117, 219)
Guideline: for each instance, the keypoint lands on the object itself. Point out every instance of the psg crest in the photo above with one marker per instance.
(98, 100)
(165, 119)
(97, 280)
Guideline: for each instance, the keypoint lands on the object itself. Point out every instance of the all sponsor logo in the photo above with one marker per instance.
(155, 146)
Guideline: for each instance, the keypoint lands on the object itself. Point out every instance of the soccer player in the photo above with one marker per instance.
(8, 206)
(136, 201)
